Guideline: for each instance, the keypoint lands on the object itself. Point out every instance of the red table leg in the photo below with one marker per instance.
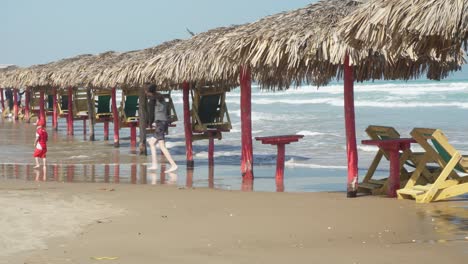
(106, 130)
(394, 178)
(211, 149)
(280, 161)
(133, 134)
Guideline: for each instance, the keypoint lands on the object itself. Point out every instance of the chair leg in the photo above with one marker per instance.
(428, 196)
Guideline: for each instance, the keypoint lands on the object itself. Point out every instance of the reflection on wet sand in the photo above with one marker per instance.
(449, 221)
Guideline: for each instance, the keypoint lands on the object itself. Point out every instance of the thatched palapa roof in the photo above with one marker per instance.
(426, 27)
(294, 47)
(291, 47)
(126, 70)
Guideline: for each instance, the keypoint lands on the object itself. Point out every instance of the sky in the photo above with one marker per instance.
(41, 31)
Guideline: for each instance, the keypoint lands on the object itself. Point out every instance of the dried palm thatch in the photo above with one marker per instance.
(188, 61)
(5, 74)
(126, 70)
(425, 27)
(287, 48)
(81, 72)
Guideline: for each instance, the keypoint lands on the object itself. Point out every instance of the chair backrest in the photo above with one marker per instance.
(131, 105)
(50, 102)
(209, 108)
(436, 143)
(382, 132)
(63, 103)
(103, 104)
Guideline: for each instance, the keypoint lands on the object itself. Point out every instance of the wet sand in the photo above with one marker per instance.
(50, 222)
(97, 204)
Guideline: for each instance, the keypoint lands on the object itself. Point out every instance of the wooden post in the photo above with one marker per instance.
(15, 104)
(106, 129)
(351, 146)
(70, 112)
(280, 162)
(187, 126)
(55, 110)
(142, 113)
(2, 100)
(133, 126)
(246, 123)
(27, 100)
(115, 114)
(211, 148)
(91, 114)
(42, 114)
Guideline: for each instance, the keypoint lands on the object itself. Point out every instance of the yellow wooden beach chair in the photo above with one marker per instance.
(209, 111)
(408, 159)
(449, 182)
(80, 104)
(129, 108)
(102, 100)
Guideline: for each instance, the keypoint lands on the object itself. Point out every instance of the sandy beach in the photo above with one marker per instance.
(50, 222)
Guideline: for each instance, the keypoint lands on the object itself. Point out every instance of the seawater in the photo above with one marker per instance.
(315, 163)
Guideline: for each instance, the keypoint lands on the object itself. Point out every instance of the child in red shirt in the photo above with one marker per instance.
(40, 144)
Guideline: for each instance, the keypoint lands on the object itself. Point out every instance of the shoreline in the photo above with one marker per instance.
(169, 224)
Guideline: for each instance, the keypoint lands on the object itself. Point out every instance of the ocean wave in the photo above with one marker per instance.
(292, 163)
(312, 133)
(358, 103)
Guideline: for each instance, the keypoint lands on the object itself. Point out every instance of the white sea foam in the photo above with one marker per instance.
(292, 164)
(312, 133)
(367, 148)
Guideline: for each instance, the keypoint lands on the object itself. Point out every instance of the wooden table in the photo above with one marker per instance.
(280, 142)
(393, 148)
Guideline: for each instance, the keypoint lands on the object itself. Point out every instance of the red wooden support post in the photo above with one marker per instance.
(133, 126)
(15, 103)
(2, 100)
(55, 110)
(42, 114)
(70, 112)
(189, 179)
(280, 162)
(27, 99)
(106, 130)
(246, 123)
(115, 114)
(187, 126)
(211, 148)
(351, 146)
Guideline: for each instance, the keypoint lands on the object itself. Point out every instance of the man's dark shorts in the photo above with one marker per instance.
(160, 130)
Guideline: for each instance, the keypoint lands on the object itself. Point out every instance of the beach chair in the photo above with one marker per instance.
(408, 160)
(62, 103)
(449, 182)
(102, 101)
(209, 112)
(80, 104)
(129, 108)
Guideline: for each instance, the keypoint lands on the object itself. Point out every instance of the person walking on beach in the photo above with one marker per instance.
(40, 144)
(150, 91)
(161, 117)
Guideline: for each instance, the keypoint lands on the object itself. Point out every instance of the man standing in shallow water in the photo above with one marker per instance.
(161, 118)
(40, 144)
